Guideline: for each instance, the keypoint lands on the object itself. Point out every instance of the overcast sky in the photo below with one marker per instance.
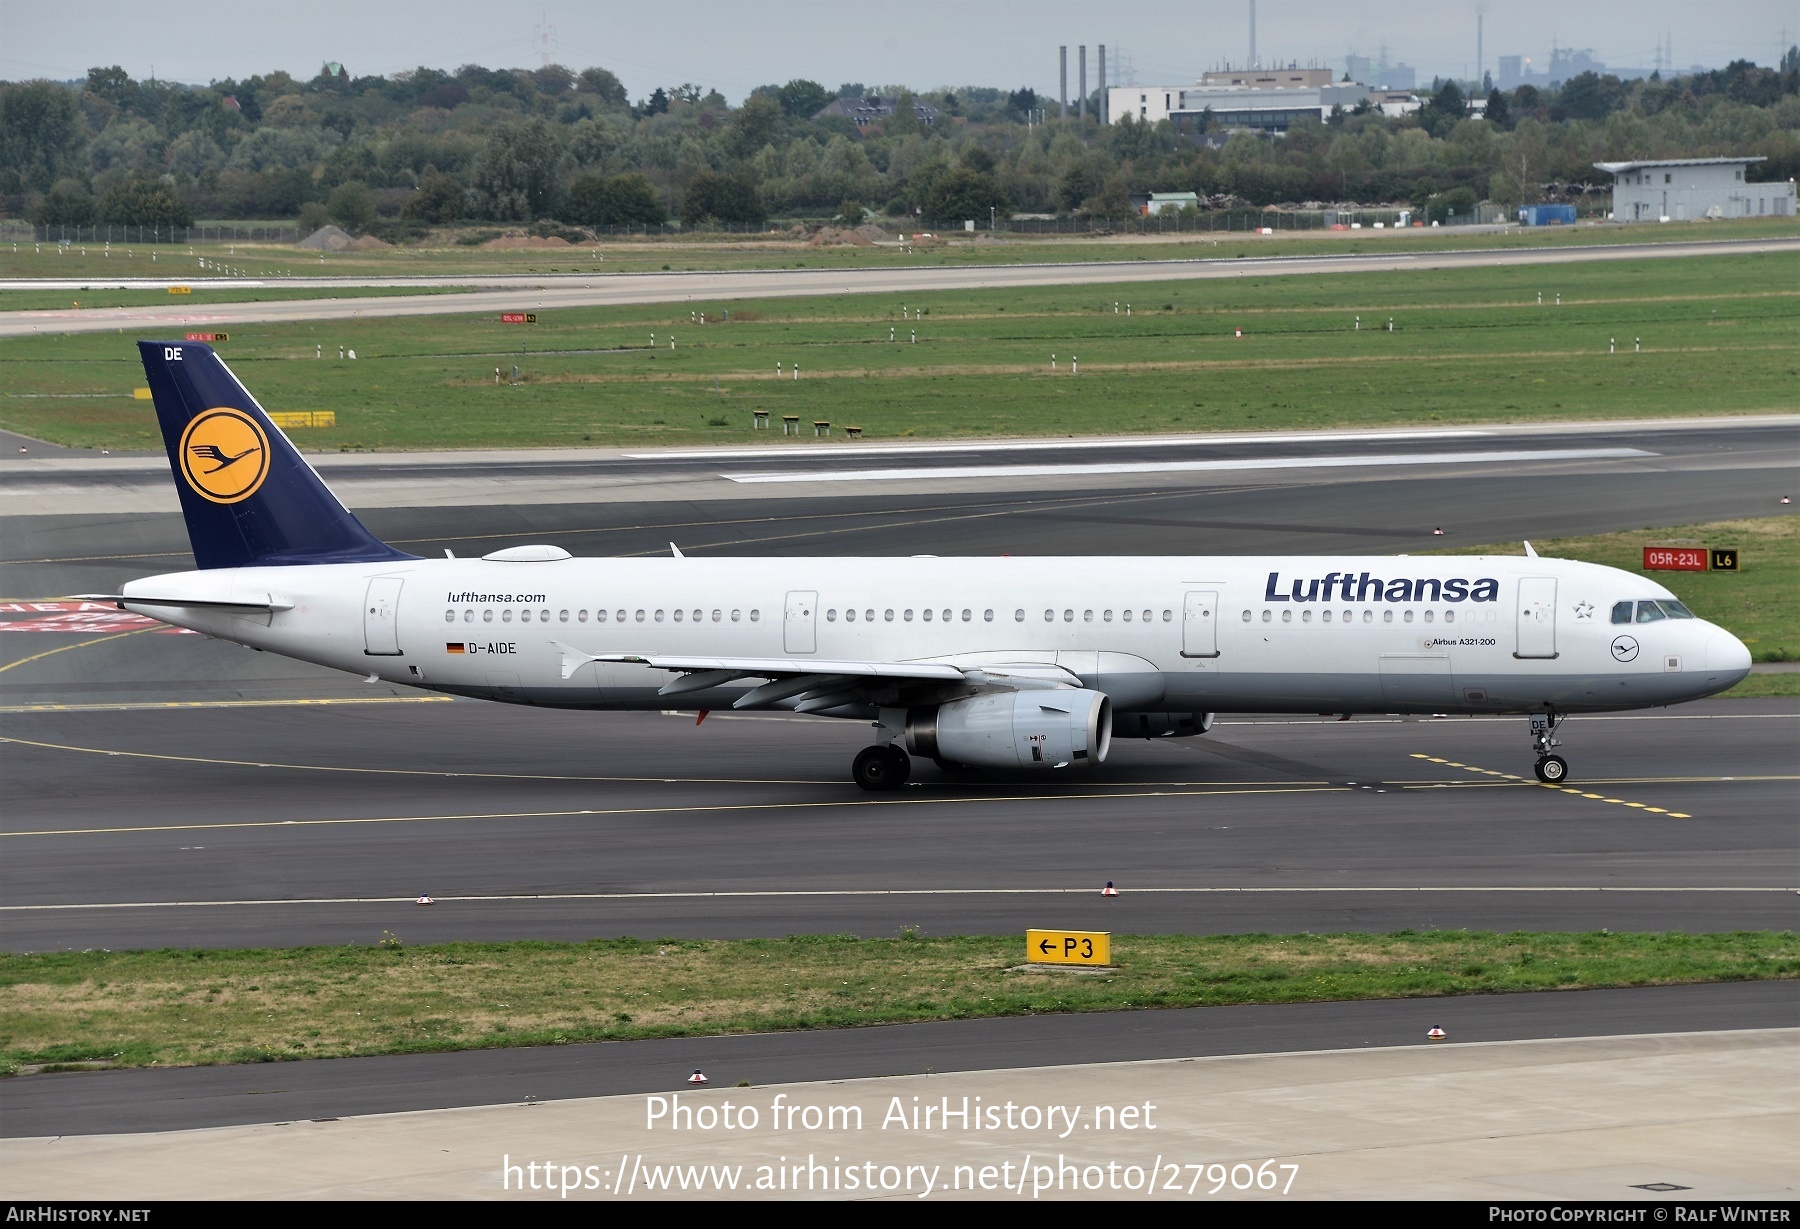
(733, 45)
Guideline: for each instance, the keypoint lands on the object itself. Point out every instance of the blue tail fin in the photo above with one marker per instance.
(248, 495)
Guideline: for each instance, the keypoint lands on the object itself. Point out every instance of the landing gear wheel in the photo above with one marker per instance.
(881, 768)
(1553, 770)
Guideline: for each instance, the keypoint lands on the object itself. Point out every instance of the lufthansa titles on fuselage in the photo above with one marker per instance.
(1362, 587)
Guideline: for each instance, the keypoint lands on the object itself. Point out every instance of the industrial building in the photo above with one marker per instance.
(1680, 189)
(1253, 107)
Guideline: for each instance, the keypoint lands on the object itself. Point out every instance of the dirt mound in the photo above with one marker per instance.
(369, 243)
(831, 236)
(873, 233)
(327, 239)
(521, 243)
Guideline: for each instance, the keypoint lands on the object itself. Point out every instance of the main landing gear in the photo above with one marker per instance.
(882, 767)
(1551, 769)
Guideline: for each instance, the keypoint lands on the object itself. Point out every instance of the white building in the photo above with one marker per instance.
(1685, 188)
(1258, 108)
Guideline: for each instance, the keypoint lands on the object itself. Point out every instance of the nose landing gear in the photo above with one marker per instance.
(1551, 769)
(881, 767)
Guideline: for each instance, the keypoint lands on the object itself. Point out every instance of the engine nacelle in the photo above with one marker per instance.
(1050, 728)
(1161, 725)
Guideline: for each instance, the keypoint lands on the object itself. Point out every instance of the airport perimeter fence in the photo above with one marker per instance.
(26, 232)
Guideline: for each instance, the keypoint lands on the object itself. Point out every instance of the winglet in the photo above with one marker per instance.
(1530, 551)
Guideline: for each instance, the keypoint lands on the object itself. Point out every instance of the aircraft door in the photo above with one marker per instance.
(1537, 617)
(800, 624)
(1200, 624)
(381, 625)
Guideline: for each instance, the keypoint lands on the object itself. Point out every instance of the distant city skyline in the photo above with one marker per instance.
(734, 47)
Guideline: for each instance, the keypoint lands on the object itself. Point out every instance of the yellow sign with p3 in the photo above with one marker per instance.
(1068, 947)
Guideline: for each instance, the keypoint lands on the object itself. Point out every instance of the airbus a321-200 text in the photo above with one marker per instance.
(1001, 664)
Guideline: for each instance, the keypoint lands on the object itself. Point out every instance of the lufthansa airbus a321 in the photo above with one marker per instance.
(1011, 663)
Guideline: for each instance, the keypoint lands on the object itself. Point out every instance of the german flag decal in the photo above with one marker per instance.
(456, 646)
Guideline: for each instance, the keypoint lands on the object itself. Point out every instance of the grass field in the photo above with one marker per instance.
(188, 1007)
(722, 251)
(1718, 335)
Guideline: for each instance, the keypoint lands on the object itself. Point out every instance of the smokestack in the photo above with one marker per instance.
(1104, 108)
(1062, 105)
(1252, 33)
(1081, 73)
(1478, 20)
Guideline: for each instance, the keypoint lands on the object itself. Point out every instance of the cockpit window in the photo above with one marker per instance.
(1622, 612)
(1650, 612)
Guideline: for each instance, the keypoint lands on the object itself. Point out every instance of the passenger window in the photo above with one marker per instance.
(1018, 616)
(1408, 616)
(1287, 616)
(1368, 616)
(1325, 615)
(1387, 616)
(562, 616)
(1049, 616)
(506, 615)
(907, 615)
(659, 616)
(640, 616)
(1148, 615)
(1168, 616)
(1449, 616)
(619, 616)
(677, 616)
(868, 616)
(599, 616)
(1246, 615)
(755, 615)
(524, 616)
(1621, 612)
(487, 616)
(698, 614)
(717, 614)
(1306, 616)
(734, 615)
(1267, 616)
(1068, 616)
(1428, 616)
(544, 616)
(468, 616)
(968, 615)
(946, 616)
(831, 616)
(924, 614)
(888, 614)
(1087, 616)
(449, 616)
(987, 616)
(1649, 612)
(1106, 616)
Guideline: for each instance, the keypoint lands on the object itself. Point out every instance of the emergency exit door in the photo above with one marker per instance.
(1200, 623)
(1536, 617)
(800, 624)
(381, 625)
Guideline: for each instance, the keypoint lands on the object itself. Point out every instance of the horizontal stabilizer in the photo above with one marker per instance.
(121, 600)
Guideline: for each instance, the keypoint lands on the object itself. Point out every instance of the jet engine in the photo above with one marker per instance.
(1040, 728)
(1160, 725)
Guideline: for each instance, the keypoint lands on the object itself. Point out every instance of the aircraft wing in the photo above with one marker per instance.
(808, 685)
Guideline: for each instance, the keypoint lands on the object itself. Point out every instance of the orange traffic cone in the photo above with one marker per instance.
(1109, 890)
(424, 900)
(1436, 1034)
(696, 1078)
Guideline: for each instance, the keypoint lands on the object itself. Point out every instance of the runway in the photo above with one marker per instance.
(176, 790)
(546, 291)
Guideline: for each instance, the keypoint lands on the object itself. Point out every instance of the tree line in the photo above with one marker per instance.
(398, 155)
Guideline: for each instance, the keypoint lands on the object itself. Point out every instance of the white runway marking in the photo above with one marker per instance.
(1189, 467)
(835, 892)
(772, 452)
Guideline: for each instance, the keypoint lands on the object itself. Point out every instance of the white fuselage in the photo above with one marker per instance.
(1447, 634)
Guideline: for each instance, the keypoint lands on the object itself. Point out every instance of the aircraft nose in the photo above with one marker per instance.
(1727, 656)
